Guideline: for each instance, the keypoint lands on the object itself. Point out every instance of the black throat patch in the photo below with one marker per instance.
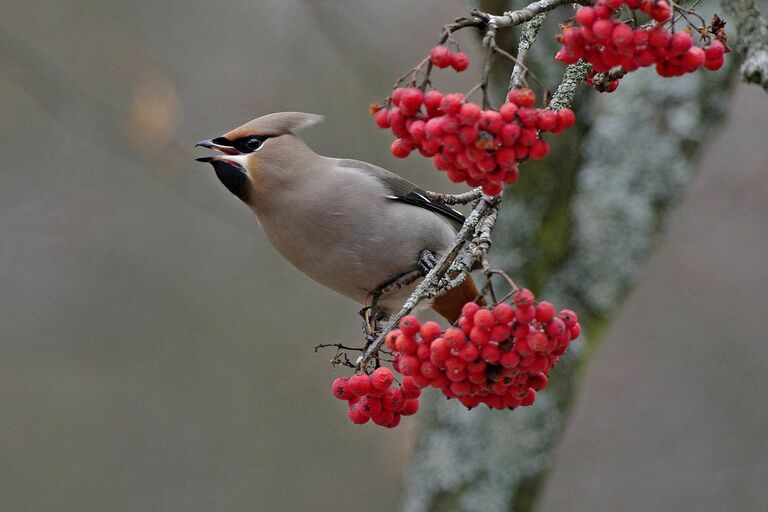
(234, 178)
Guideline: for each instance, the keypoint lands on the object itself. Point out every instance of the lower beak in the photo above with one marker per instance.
(236, 161)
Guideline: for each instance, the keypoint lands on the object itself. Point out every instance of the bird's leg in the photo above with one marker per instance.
(427, 262)
(371, 316)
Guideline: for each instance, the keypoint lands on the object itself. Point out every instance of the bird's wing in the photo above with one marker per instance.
(403, 190)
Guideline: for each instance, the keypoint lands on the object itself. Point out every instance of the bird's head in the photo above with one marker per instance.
(259, 154)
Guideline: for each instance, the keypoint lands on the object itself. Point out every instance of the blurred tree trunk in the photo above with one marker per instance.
(576, 229)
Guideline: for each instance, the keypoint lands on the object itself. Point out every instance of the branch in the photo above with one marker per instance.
(572, 78)
(527, 13)
(752, 43)
(530, 31)
(450, 199)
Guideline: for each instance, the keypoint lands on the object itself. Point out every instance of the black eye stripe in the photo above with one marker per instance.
(243, 144)
(249, 144)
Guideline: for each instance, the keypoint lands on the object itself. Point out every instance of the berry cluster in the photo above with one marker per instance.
(608, 43)
(472, 145)
(373, 397)
(497, 356)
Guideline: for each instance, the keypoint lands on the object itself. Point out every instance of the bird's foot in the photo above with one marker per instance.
(372, 315)
(427, 262)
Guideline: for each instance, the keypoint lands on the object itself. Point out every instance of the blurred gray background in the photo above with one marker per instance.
(155, 351)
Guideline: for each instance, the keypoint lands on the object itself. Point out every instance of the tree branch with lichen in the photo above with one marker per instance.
(752, 42)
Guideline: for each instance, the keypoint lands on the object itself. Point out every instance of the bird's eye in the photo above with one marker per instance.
(253, 143)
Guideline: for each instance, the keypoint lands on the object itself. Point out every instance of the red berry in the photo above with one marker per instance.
(357, 415)
(490, 121)
(411, 99)
(547, 120)
(714, 50)
(509, 359)
(506, 158)
(586, 16)
(382, 378)
(545, 312)
(392, 400)
(384, 418)
(658, 37)
(440, 56)
(523, 298)
(693, 59)
(504, 313)
(470, 113)
(452, 103)
(622, 36)
(370, 406)
(430, 330)
(406, 344)
(411, 407)
(714, 65)
(409, 365)
(469, 352)
(522, 97)
(395, 421)
(382, 118)
(455, 338)
(469, 309)
(602, 29)
(360, 384)
(661, 11)
(529, 398)
(432, 101)
(401, 148)
(440, 349)
(680, 43)
(484, 319)
(565, 118)
(341, 389)
(410, 325)
(539, 150)
(508, 111)
(459, 61)
(490, 354)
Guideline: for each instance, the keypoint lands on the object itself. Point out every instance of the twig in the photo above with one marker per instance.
(450, 199)
(602, 81)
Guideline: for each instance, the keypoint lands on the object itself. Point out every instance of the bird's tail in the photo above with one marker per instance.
(450, 303)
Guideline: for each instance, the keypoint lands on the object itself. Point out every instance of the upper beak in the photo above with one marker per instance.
(228, 150)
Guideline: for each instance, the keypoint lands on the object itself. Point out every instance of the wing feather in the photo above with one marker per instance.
(404, 191)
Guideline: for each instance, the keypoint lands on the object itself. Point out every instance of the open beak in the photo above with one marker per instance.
(217, 145)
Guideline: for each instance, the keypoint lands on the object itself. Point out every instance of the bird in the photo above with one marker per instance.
(349, 225)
